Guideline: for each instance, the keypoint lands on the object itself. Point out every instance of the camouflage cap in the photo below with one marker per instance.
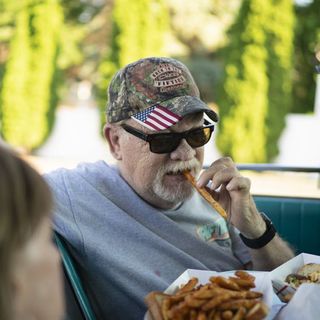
(154, 81)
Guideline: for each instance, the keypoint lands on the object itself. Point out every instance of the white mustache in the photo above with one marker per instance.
(192, 165)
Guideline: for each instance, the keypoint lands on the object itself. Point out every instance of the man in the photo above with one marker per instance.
(137, 226)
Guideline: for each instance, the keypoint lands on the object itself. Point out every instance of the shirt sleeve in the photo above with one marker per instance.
(64, 221)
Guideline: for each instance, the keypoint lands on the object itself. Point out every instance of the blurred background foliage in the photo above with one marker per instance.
(28, 93)
(253, 60)
(138, 30)
(256, 89)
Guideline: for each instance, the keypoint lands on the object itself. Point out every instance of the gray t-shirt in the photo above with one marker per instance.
(126, 248)
(198, 218)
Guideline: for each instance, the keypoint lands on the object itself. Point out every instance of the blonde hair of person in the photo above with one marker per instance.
(25, 200)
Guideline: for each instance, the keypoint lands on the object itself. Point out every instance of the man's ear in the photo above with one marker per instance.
(112, 135)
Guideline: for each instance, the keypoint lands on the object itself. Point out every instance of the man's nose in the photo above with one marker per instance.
(183, 152)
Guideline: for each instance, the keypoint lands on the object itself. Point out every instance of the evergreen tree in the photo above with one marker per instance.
(280, 37)
(138, 31)
(255, 95)
(307, 42)
(243, 97)
(28, 86)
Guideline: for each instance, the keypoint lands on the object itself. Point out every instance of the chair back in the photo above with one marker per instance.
(73, 278)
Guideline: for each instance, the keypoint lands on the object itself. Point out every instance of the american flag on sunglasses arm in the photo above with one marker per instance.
(156, 118)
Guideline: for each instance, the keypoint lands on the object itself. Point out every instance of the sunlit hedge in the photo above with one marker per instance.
(138, 30)
(256, 89)
(280, 41)
(307, 42)
(28, 91)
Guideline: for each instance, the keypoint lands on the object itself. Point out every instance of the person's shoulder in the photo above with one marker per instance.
(59, 175)
(91, 168)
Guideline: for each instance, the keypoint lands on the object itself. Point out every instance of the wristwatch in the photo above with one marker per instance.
(267, 236)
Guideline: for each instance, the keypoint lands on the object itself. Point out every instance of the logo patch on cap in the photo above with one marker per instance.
(167, 77)
(156, 118)
(154, 81)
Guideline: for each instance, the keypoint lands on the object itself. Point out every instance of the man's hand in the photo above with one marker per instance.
(232, 190)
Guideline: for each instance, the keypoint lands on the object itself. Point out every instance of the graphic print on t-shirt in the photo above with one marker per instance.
(215, 231)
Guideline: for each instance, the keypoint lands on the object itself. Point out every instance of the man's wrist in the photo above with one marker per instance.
(264, 239)
(256, 227)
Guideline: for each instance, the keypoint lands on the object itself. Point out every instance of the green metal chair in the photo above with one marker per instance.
(74, 279)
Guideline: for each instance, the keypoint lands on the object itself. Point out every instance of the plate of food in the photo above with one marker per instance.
(286, 279)
(199, 294)
(308, 273)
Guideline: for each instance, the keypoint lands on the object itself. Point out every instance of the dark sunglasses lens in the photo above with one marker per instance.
(164, 143)
(198, 138)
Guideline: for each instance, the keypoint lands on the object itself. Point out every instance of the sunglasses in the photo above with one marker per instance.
(168, 142)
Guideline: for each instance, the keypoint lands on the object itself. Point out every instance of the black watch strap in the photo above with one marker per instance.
(264, 239)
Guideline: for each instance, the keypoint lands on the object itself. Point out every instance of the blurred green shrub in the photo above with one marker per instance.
(307, 42)
(206, 73)
(280, 46)
(138, 30)
(29, 87)
(255, 92)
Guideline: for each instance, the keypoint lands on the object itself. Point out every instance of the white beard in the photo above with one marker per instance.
(180, 192)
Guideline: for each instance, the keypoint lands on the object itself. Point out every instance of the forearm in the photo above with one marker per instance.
(272, 255)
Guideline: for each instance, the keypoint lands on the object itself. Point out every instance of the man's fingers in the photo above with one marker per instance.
(208, 175)
(239, 183)
(214, 194)
(221, 172)
(218, 173)
(223, 176)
